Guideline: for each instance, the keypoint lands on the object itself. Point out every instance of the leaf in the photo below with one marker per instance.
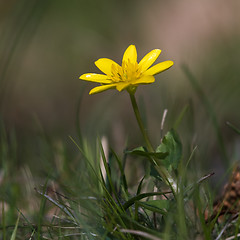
(172, 145)
(160, 206)
(142, 151)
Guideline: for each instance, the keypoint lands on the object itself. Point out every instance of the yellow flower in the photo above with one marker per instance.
(130, 74)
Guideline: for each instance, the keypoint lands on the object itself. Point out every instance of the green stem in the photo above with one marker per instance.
(140, 123)
(161, 169)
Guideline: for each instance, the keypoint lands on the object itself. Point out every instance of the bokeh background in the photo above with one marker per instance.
(46, 45)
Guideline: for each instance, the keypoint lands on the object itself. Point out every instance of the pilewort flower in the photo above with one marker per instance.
(130, 74)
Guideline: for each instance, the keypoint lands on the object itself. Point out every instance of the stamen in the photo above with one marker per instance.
(127, 73)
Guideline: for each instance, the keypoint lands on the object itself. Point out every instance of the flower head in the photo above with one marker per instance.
(130, 74)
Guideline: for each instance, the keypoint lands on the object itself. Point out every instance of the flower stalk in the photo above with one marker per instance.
(167, 178)
(140, 123)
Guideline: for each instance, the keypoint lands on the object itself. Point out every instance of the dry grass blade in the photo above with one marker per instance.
(140, 233)
(62, 207)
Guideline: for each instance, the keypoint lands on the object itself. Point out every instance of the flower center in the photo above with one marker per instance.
(126, 73)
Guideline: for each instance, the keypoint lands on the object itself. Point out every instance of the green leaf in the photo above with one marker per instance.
(142, 151)
(160, 206)
(172, 145)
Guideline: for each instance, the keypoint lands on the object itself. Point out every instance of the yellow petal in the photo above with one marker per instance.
(94, 77)
(130, 54)
(102, 88)
(105, 65)
(160, 67)
(121, 86)
(149, 59)
(144, 80)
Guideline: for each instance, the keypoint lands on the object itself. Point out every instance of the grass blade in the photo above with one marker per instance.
(233, 127)
(130, 202)
(210, 111)
(3, 221)
(180, 117)
(123, 176)
(108, 173)
(60, 206)
(14, 234)
(140, 233)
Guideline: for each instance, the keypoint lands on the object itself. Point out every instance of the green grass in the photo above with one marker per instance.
(86, 194)
(78, 189)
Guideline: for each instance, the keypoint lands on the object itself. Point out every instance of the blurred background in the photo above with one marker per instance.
(46, 45)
